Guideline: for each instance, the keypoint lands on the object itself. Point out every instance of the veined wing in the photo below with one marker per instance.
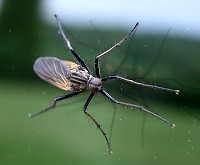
(72, 65)
(54, 71)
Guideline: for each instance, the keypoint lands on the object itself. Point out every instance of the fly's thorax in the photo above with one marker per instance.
(79, 78)
(94, 84)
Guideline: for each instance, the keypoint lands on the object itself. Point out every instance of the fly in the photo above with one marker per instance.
(78, 78)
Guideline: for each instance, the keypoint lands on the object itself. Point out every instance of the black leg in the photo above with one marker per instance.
(88, 101)
(68, 44)
(109, 78)
(97, 69)
(96, 123)
(55, 102)
(135, 106)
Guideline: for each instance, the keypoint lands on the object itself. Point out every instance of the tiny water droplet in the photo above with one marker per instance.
(29, 115)
(187, 29)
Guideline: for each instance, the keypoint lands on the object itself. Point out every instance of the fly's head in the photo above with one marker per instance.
(95, 84)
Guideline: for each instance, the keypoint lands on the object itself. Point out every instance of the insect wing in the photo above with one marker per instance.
(72, 65)
(54, 71)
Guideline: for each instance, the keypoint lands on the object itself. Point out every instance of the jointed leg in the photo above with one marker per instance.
(97, 69)
(120, 42)
(68, 44)
(109, 78)
(96, 123)
(55, 102)
(135, 106)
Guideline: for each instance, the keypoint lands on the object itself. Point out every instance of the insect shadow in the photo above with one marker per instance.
(78, 78)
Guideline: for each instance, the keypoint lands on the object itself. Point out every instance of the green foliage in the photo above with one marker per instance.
(18, 37)
(65, 136)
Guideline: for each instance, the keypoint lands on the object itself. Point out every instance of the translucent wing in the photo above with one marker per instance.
(54, 71)
(72, 65)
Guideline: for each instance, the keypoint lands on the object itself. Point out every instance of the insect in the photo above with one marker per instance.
(78, 78)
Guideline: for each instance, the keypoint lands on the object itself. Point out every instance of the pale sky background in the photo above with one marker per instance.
(183, 16)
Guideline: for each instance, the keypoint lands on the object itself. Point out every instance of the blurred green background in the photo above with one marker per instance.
(64, 135)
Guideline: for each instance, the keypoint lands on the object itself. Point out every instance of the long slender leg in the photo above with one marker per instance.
(88, 101)
(109, 78)
(135, 106)
(97, 69)
(55, 102)
(68, 44)
(96, 123)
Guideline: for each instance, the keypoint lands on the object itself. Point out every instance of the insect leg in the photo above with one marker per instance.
(97, 69)
(88, 101)
(68, 44)
(96, 123)
(135, 106)
(109, 78)
(55, 102)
